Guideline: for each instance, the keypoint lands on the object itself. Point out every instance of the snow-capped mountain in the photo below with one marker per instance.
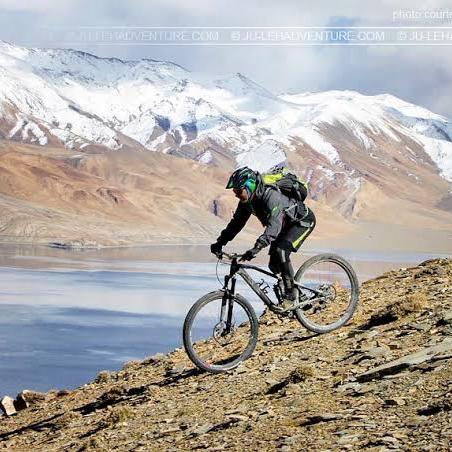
(336, 138)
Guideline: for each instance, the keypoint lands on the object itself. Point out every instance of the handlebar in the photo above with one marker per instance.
(233, 256)
(229, 256)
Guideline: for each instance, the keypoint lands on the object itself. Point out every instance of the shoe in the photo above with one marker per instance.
(288, 304)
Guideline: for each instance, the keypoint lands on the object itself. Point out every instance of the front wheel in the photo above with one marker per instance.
(329, 293)
(220, 331)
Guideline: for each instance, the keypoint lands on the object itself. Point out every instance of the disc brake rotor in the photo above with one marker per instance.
(220, 335)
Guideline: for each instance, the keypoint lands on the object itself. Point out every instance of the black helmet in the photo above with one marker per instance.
(243, 178)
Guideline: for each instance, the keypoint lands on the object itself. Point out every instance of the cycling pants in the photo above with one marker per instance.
(289, 240)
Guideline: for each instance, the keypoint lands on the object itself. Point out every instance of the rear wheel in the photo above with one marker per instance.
(329, 293)
(220, 332)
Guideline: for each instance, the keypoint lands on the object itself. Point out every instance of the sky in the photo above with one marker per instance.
(419, 73)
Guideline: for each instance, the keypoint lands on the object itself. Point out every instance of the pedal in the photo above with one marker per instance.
(281, 310)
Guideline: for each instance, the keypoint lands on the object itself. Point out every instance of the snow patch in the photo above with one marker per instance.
(410, 151)
(440, 152)
(263, 157)
(205, 158)
(19, 124)
(311, 137)
(32, 128)
(329, 174)
(354, 184)
(140, 129)
(359, 133)
(27, 128)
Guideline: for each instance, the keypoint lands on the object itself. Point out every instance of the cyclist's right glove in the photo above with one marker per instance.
(251, 254)
(216, 248)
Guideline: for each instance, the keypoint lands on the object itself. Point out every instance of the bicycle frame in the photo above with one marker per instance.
(231, 279)
(240, 269)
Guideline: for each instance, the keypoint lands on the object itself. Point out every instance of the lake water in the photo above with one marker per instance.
(65, 315)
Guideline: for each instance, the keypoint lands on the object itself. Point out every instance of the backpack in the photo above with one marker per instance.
(287, 182)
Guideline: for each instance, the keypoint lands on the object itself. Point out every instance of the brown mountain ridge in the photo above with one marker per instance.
(53, 195)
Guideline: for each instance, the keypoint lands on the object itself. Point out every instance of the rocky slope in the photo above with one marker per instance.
(381, 383)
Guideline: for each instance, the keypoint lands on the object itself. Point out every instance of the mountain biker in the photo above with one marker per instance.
(287, 223)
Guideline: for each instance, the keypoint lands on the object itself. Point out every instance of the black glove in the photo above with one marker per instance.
(216, 248)
(250, 254)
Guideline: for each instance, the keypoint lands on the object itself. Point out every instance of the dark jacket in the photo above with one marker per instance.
(271, 207)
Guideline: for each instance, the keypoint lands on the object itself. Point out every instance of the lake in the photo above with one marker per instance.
(68, 314)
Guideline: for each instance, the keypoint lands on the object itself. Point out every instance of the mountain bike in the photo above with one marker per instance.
(221, 328)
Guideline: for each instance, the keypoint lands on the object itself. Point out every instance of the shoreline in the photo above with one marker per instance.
(315, 246)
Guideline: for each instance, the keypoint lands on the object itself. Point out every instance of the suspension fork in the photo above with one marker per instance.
(228, 296)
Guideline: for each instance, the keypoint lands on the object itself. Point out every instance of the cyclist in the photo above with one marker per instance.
(287, 224)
